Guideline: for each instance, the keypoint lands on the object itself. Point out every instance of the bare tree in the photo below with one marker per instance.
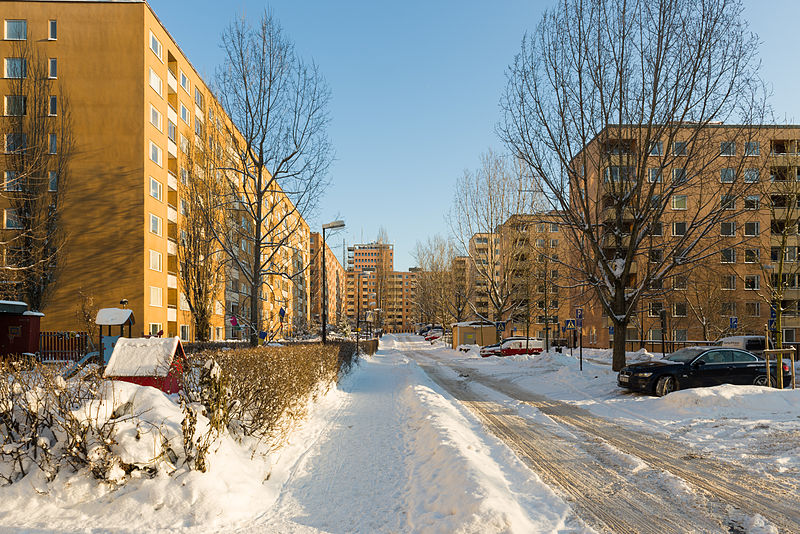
(38, 149)
(279, 154)
(440, 296)
(201, 261)
(483, 201)
(615, 106)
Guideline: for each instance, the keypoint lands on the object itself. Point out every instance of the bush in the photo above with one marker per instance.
(270, 387)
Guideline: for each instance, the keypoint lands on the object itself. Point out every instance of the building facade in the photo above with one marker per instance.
(336, 283)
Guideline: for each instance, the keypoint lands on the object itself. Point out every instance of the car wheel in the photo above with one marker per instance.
(666, 385)
(761, 380)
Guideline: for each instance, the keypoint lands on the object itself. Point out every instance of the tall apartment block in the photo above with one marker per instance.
(137, 103)
(335, 285)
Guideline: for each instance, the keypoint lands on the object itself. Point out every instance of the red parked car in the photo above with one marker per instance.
(434, 333)
(532, 345)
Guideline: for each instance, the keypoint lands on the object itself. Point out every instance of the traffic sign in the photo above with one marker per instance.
(734, 323)
(579, 317)
(501, 326)
(772, 314)
(772, 325)
(569, 324)
(610, 330)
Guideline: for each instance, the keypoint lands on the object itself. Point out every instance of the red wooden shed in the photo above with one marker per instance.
(156, 362)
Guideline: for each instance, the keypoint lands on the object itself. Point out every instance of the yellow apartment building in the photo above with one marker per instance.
(136, 104)
(752, 174)
(336, 282)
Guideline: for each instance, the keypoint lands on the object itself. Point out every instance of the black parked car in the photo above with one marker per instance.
(699, 366)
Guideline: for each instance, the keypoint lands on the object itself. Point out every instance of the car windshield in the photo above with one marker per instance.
(685, 355)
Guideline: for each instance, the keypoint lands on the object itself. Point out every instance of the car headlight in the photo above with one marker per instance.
(644, 375)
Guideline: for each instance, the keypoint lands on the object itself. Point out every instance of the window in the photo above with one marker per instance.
(198, 129)
(52, 181)
(728, 308)
(155, 153)
(727, 175)
(728, 229)
(618, 174)
(654, 334)
(752, 309)
(727, 202)
(728, 255)
(679, 202)
(198, 98)
(654, 175)
(729, 282)
(155, 260)
(657, 229)
(155, 82)
(155, 300)
(11, 220)
(656, 148)
(172, 130)
(184, 144)
(751, 255)
(680, 281)
(16, 106)
(751, 282)
(751, 229)
(679, 309)
(155, 46)
(52, 108)
(16, 67)
(155, 225)
(155, 117)
(679, 176)
(184, 82)
(185, 117)
(52, 71)
(656, 255)
(751, 202)
(657, 284)
(679, 148)
(155, 189)
(184, 332)
(53, 144)
(727, 148)
(52, 30)
(679, 228)
(680, 334)
(752, 148)
(184, 175)
(655, 309)
(16, 142)
(11, 181)
(751, 176)
(554, 227)
(16, 30)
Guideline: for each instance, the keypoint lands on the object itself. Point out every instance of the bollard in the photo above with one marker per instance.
(766, 354)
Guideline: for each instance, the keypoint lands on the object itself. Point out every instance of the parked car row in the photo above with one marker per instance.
(700, 366)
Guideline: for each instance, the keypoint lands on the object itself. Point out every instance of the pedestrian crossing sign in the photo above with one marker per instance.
(570, 324)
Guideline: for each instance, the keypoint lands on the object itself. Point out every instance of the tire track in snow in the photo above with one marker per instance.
(611, 497)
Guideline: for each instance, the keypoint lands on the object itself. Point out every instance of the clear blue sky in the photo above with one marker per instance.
(416, 86)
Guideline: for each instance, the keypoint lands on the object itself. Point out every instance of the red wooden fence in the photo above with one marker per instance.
(63, 345)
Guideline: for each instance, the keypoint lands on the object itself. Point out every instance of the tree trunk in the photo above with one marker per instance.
(620, 328)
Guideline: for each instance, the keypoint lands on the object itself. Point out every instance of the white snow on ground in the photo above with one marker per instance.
(757, 426)
(385, 451)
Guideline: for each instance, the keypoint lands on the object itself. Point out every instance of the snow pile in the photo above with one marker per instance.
(728, 400)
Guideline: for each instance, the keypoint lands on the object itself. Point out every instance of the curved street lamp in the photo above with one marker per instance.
(334, 225)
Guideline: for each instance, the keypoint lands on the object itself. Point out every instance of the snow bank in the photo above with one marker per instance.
(729, 400)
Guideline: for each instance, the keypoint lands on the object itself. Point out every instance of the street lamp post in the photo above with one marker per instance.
(335, 225)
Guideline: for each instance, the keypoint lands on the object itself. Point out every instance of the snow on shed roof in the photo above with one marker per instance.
(471, 323)
(143, 356)
(114, 317)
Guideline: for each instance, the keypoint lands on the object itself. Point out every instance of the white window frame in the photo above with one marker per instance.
(752, 277)
(157, 220)
(52, 106)
(188, 85)
(52, 144)
(9, 177)
(5, 30)
(159, 52)
(747, 233)
(727, 175)
(184, 328)
(186, 116)
(724, 146)
(752, 198)
(52, 30)
(674, 226)
(9, 214)
(155, 261)
(158, 188)
(156, 83)
(654, 175)
(8, 98)
(757, 255)
(155, 328)
(52, 68)
(23, 67)
(732, 226)
(675, 312)
(733, 255)
(731, 279)
(757, 306)
(685, 198)
(752, 175)
(159, 154)
(748, 148)
(154, 113)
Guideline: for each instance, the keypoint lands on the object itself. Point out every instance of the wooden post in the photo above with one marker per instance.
(794, 359)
